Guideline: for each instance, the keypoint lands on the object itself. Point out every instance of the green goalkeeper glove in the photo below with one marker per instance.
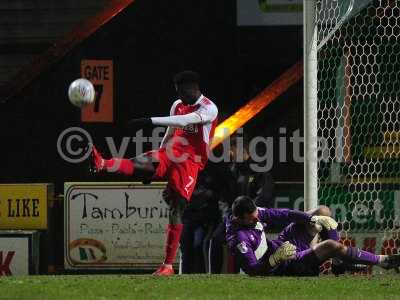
(286, 251)
(324, 221)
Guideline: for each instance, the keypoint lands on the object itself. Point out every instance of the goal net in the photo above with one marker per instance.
(357, 118)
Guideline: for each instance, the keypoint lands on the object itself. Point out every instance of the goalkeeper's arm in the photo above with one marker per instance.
(279, 216)
(282, 216)
(253, 267)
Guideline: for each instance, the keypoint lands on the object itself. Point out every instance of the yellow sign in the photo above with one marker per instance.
(24, 206)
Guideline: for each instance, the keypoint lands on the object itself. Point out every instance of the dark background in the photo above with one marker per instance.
(149, 42)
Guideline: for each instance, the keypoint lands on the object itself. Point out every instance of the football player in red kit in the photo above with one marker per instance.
(183, 152)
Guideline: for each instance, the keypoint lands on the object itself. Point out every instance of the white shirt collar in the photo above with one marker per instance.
(259, 226)
(199, 99)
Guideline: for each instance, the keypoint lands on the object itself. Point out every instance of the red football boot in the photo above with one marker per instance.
(164, 271)
(96, 160)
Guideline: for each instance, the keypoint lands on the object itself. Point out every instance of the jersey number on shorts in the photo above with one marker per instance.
(191, 180)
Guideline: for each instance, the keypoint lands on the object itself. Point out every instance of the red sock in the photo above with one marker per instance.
(174, 232)
(119, 165)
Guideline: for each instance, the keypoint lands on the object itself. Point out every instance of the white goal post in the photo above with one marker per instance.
(310, 106)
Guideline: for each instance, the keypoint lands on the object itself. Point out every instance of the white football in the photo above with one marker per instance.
(81, 92)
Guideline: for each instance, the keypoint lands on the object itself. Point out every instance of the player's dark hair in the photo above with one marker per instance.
(186, 77)
(243, 205)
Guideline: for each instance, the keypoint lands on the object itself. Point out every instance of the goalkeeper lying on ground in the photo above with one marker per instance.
(293, 253)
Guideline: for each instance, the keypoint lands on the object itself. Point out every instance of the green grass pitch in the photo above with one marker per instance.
(202, 287)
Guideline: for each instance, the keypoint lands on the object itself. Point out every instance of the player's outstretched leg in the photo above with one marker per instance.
(330, 249)
(174, 231)
(113, 165)
(141, 167)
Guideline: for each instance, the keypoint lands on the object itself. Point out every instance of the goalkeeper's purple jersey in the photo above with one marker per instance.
(251, 246)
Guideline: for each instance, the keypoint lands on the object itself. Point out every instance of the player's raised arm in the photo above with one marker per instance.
(279, 216)
(177, 121)
(206, 113)
(203, 115)
(283, 216)
(172, 121)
